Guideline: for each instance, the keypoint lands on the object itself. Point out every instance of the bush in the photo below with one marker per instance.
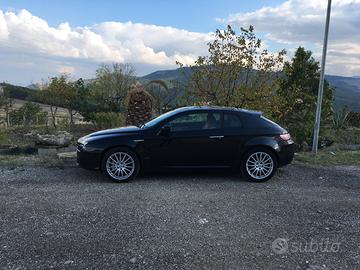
(4, 138)
(28, 114)
(341, 118)
(62, 122)
(104, 120)
(353, 119)
(350, 135)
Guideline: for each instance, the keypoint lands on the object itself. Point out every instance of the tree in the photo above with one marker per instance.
(297, 96)
(75, 97)
(237, 72)
(6, 104)
(56, 94)
(112, 83)
(139, 107)
(163, 95)
(29, 112)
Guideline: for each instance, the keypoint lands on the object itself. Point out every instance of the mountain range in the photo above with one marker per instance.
(347, 89)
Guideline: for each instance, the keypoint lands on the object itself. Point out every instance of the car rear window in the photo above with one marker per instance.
(232, 121)
(268, 122)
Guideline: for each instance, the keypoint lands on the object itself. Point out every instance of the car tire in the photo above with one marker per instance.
(259, 164)
(120, 164)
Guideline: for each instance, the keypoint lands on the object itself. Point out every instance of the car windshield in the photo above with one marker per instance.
(158, 119)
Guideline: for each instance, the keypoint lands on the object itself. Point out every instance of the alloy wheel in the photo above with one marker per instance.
(120, 166)
(259, 165)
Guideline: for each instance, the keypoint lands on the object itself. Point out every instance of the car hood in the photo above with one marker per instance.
(113, 131)
(129, 129)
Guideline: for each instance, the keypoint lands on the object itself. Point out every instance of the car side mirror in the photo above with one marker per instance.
(165, 130)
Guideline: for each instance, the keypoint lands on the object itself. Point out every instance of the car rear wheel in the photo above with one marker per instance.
(259, 164)
(120, 164)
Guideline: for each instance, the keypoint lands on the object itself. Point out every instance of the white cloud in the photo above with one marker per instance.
(105, 42)
(30, 49)
(297, 22)
(65, 69)
(4, 33)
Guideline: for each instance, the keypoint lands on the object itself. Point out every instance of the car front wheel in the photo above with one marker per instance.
(120, 164)
(259, 164)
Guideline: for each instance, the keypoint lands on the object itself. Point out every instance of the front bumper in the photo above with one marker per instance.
(90, 160)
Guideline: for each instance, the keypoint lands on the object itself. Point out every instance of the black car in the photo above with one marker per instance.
(190, 137)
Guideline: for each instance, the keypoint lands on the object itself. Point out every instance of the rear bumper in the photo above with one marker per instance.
(88, 160)
(286, 154)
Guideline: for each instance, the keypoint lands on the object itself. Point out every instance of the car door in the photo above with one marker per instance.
(194, 140)
(235, 137)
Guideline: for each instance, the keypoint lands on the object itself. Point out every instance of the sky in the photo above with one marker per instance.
(41, 39)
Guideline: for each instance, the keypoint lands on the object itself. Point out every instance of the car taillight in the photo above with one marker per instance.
(285, 136)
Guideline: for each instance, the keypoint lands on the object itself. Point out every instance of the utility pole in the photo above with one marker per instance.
(321, 83)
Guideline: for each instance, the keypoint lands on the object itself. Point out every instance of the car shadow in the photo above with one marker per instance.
(214, 175)
(191, 175)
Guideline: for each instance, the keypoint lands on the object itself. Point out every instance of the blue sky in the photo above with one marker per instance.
(194, 15)
(41, 38)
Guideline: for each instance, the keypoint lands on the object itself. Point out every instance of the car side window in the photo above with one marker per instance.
(232, 121)
(196, 121)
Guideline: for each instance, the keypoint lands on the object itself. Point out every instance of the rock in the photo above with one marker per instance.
(29, 135)
(317, 267)
(352, 147)
(326, 143)
(47, 152)
(71, 148)
(203, 221)
(61, 139)
(67, 155)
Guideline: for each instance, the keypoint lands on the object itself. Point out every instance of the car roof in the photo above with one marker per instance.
(216, 108)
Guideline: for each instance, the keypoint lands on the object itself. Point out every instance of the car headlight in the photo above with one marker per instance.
(81, 145)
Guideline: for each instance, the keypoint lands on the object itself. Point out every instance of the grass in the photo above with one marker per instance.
(4, 138)
(34, 160)
(329, 158)
(19, 160)
(350, 135)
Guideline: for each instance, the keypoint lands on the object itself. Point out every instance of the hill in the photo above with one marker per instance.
(347, 89)
(179, 74)
(18, 92)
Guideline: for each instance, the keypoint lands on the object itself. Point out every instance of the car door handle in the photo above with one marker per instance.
(216, 137)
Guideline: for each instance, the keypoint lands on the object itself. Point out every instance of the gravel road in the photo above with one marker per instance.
(304, 218)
